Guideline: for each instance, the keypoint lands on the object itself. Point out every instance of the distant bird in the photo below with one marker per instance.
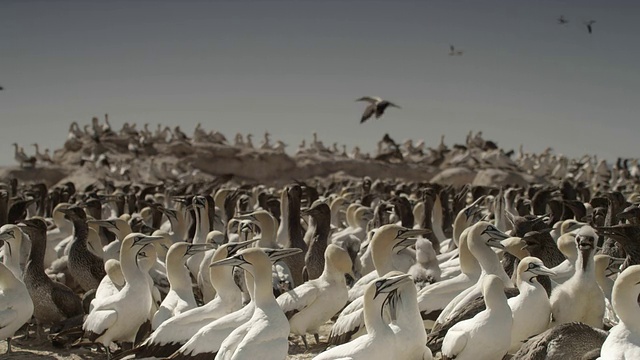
(453, 51)
(562, 20)
(377, 106)
(1, 88)
(588, 24)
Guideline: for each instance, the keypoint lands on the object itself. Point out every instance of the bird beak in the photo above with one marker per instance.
(233, 248)
(543, 270)
(197, 248)
(407, 233)
(102, 223)
(391, 283)
(5, 237)
(404, 243)
(148, 240)
(279, 254)
(230, 261)
(495, 234)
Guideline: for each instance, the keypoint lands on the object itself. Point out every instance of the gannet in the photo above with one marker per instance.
(580, 298)
(206, 342)
(426, 270)
(481, 237)
(265, 334)
(176, 331)
(532, 299)
(411, 337)
(562, 20)
(85, 267)
(588, 25)
(119, 317)
(566, 341)
(12, 240)
(376, 106)
(314, 259)
(53, 301)
(214, 239)
(201, 208)
(63, 230)
(180, 297)
(311, 304)
(110, 284)
(566, 269)
(433, 298)
(488, 334)
(454, 52)
(16, 306)
(380, 341)
(350, 323)
(623, 341)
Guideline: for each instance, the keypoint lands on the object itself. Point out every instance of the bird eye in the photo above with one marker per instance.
(241, 258)
(532, 265)
(378, 284)
(10, 232)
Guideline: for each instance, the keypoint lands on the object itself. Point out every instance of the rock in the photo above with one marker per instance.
(499, 178)
(457, 176)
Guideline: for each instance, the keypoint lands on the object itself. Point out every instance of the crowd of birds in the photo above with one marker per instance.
(397, 270)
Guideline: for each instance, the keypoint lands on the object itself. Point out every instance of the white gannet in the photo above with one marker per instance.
(119, 317)
(488, 334)
(532, 299)
(110, 284)
(580, 298)
(12, 250)
(63, 230)
(214, 238)
(433, 298)
(201, 207)
(350, 323)
(176, 331)
(623, 341)
(180, 297)
(376, 106)
(265, 335)
(565, 270)
(406, 323)
(16, 306)
(380, 341)
(311, 304)
(481, 237)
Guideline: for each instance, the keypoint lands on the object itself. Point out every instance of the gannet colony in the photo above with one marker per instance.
(153, 244)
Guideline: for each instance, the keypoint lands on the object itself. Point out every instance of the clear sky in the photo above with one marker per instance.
(294, 67)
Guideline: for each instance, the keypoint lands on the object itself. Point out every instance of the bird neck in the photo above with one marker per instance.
(625, 301)
(585, 264)
(80, 232)
(202, 225)
(222, 280)
(495, 299)
(381, 254)
(373, 320)
(177, 273)
(263, 291)
(131, 270)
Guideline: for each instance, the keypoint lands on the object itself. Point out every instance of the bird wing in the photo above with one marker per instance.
(370, 99)
(454, 343)
(368, 112)
(66, 300)
(296, 300)
(99, 321)
(394, 105)
(7, 316)
(345, 327)
(451, 48)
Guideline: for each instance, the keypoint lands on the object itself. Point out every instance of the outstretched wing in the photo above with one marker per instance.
(370, 99)
(368, 112)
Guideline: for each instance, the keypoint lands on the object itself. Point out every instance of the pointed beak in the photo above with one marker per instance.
(102, 223)
(149, 240)
(408, 233)
(233, 248)
(495, 234)
(543, 270)
(391, 283)
(197, 248)
(404, 243)
(279, 254)
(230, 261)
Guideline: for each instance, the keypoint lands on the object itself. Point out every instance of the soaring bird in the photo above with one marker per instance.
(377, 106)
(562, 20)
(588, 24)
(454, 52)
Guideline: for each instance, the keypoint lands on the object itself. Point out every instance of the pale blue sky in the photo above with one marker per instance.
(297, 66)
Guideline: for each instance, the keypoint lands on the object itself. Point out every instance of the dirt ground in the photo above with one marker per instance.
(26, 349)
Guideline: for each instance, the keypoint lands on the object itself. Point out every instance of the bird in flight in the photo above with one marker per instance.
(454, 52)
(588, 24)
(376, 106)
(562, 20)
(1, 88)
